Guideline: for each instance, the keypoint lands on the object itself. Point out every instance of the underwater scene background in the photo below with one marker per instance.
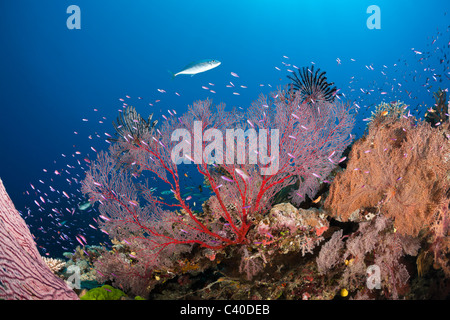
(67, 75)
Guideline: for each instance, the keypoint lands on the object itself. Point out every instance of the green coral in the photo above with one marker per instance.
(395, 109)
(105, 292)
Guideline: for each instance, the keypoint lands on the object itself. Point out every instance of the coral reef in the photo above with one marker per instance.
(310, 147)
(381, 230)
(83, 258)
(399, 170)
(393, 109)
(286, 237)
(126, 271)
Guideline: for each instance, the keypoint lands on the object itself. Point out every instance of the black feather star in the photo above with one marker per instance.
(130, 125)
(130, 128)
(312, 85)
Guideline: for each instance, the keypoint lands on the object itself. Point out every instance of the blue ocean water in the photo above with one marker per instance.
(53, 77)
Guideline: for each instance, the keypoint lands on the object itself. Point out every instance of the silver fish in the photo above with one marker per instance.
(85, 205)
(197, 67)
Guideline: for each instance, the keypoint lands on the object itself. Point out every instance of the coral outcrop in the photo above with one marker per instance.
(399, 168)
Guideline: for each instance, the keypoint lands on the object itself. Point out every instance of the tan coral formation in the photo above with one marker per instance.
(399, 169)
(54, 264)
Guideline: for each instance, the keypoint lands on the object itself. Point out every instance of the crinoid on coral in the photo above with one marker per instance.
(312, 85)
(130, 130)
(439, 112)
(131, 126)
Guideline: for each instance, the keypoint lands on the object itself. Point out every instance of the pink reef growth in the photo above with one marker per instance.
(312, 138)
(23, 273)
(375, 243)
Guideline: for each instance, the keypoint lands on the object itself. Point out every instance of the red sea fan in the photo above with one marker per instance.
(312, 140)
(296, 142)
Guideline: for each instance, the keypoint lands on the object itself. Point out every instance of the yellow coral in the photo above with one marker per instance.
(394, 109)
(187, 266)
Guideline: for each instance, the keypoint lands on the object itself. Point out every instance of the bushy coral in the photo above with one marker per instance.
(394, 190)
(330, 253)
(375, 245)
(125, 272)
(125, 268)
(399, 168)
